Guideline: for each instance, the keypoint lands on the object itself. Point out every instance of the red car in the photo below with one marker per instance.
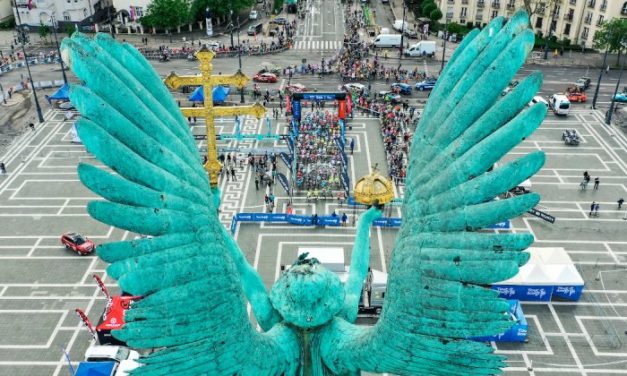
(576, 96)
(295, 88)
(78, 243)
(265, 77)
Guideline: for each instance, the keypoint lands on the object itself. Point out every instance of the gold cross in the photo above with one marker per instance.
(209, 112)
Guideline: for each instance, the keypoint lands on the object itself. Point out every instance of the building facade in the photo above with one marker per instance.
(575, 20)
(89, 13)
(5, 10)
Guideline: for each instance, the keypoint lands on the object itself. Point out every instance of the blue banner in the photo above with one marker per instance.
(505, 225)
(320, 96)
(517, 333)
(290, 144)
(340, 143)
(287, 159)
(283, 180)
(344, 158)
(525, 293)
(233, 225)
(296, 110)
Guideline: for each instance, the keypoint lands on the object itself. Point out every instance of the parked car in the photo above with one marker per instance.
(621, 97)
(401, 88)
(425, 85)
(410, 33)
(78, 243)
(354, 86)
(538, 99)
(295, 88)
(389, 96)
(211, 44)
(576, 96)
(280, 21)
(125, 358)
(265, 77)
(583, 83)
(255, 29)
(253, 15)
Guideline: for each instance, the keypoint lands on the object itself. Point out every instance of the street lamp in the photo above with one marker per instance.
(445, 39)
(231, 27)
(400, 52)
(596, 90)
(546, 44)
(56, 40)
(30, 76)
(608, 116)
(239, 58)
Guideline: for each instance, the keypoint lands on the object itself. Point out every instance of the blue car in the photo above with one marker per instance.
(425, 85)
(401, 88)
(621, 97)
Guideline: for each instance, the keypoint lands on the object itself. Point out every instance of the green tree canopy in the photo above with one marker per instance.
(167, 14)
(611, 34)
(435, 15)
(44, 30)
(218, 7)
(428, 7)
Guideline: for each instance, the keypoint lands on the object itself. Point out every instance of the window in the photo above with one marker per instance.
(567, 30)
(556, 10)
(584, 34)
(138, 11)
(539, 22)
(495, 13)
(600, 20)
(604, 5)
(591, 3)
(573, 2)
(624, 10)
(588, 18)
(66, 16)
(554, 25)
(463, 13)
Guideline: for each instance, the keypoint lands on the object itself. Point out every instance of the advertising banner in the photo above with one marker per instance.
(286, 158)
(283, 180)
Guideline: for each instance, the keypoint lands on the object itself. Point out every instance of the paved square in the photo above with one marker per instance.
(41, 283)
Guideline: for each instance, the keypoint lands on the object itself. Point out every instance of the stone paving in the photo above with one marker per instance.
(41, 283)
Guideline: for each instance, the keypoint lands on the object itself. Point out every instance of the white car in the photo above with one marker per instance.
(125, 357)
(353, 86)
(538, 99)
(253, 15)
(211, 44)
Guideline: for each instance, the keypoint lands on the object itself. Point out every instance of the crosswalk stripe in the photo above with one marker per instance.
(318, 45)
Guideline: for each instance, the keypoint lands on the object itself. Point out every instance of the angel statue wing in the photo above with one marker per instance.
(193, 277)
(436, 295)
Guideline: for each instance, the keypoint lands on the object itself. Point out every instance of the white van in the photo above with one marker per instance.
(387, 40)
(399, 25)
(560, 104)
(422, 48)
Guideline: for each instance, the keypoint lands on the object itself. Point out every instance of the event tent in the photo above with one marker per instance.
(63, 94)
(219, 94)
(95, 369)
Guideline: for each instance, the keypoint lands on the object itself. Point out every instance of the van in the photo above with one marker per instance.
(422, 48)
(255, 29)
(387, 40)
(384, 30)
(560, 104)
(399, 25)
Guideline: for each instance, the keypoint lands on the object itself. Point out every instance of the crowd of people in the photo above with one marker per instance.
(319, 162)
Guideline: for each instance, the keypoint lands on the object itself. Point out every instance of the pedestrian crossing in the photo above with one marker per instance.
(318, 45)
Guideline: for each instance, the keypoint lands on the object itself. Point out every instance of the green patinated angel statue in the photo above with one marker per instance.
(196, 282)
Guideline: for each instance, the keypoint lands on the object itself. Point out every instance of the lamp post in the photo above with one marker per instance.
(56, 40)
(608, 116)
(445, 39)
(4, 99)
(400, 51)
(546, 44)
(231, 27)
(239, 58)
(30, 76)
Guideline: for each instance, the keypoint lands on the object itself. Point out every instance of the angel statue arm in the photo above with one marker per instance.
(436, 294)
(192, 275)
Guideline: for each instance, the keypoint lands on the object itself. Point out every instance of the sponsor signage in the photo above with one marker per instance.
(542, 215)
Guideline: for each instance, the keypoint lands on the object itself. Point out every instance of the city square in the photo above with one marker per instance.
(41, 196)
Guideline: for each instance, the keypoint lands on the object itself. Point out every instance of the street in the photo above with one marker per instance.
(41, 283)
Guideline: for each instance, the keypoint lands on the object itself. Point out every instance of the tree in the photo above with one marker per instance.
(611, 35)
(70, 29)
(428, 7)
(167, 14)
(218, 7)
(435, 15)
(44, 31)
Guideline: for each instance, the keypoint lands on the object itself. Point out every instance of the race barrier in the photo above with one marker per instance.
(517, 333)
(322, 220)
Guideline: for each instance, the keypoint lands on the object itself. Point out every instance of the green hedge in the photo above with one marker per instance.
(8, 24)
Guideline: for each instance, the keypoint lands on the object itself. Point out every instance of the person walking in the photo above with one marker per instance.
(344, 219)
(596, 183)
(592, 206)
(620, 203)
(256, 183)
(232, 173)
(3, 168)
(596, 209)
(31, 126)
(352, 145)
(583, 185)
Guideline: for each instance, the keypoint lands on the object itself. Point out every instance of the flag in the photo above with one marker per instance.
(132, 13)
(30, 4)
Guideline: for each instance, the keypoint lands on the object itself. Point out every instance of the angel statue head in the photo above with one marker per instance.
(196, 282)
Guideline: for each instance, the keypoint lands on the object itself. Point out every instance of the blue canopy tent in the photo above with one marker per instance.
(63, 94)
(95, 369)
(219, 94)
